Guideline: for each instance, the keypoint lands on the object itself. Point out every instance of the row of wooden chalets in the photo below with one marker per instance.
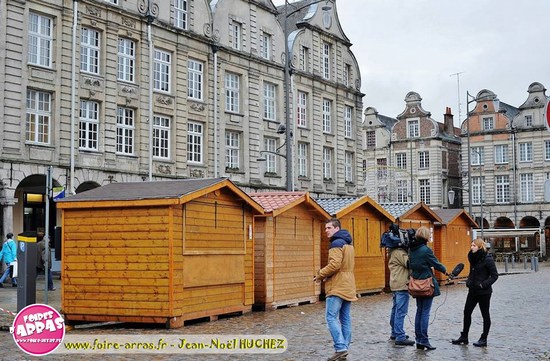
(167, 252)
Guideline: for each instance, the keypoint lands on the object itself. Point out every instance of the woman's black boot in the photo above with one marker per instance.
(482, 342)
(462, 340)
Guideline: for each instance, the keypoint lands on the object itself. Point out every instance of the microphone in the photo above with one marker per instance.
(456, 271)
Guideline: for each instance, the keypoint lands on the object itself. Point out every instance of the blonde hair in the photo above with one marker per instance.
(480, 243)
(423, 233)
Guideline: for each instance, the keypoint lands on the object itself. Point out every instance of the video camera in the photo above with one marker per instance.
(397, 238)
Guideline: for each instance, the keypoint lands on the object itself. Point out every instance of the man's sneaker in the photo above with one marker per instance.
(14, 285)
(338, 356)
(1, 285)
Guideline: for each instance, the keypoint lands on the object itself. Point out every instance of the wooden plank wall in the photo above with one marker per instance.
(452, 245)
(296, 256)
(218, 255)
(116, 262)
(366, 227)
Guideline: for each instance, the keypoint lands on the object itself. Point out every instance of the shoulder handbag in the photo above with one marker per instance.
(421, 288)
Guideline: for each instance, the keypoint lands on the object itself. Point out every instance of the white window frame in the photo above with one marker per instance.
(413, 128)
(270, 93)
(125, 130)
(325, 58)
(327, 163)
(346, 74)
(38, 117)
(301, 109)
(528, 120)
(327, 116)
(478, 190)
(401, 160)
(502, 189)
(232, 150)
(423, 159)
(303, 160)
(265, 45)
(126, 60)
(348, 122)
(88, 134)
(348, 166)
(527, 187)
(235, 34)
(488, 123)
(195, 78)
(162, 70)
(402, 191)
(477, 156)
(304, 58)
(161, 137)
(90, 47)
(501, 154)
(180, 14)
(40, 40)
(547, 150)
(525, 152)
(195, 142)
(232, 92)
(115, 2)
(270, 145)
(424, 190)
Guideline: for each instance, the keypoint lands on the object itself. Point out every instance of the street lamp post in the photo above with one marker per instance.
(288, 133)
(469, 99)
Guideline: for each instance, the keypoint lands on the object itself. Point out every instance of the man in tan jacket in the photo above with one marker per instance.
(339, 287)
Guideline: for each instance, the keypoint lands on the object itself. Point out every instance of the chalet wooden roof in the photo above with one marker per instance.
(449, 215)
(152, 193)
(403, 210)
(279, 202)
(339, 207)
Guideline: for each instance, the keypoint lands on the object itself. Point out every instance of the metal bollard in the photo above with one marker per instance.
(532, 263)
(506, 264)
(513, 261)
(525, 262)
(535, 262)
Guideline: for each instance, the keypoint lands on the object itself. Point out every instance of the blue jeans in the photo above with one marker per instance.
(398, 312)
(338, 317)
(6, 275)
(422, 319)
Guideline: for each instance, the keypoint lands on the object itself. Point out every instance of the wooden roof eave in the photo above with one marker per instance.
(118, 203)
(306, 198)
(214, 187)
(361, 201)
(425, 208)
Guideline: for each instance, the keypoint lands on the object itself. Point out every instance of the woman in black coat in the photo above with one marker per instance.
(483, 273)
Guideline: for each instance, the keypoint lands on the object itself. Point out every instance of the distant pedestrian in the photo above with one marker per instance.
(398, 265)
(422, 259)
(339, 287)
(9, 255)
(483, 273)
(44, 260)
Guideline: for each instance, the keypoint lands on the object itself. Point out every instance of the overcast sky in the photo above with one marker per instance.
(415, 45)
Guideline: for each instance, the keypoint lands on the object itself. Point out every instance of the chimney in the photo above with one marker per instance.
(448, 121)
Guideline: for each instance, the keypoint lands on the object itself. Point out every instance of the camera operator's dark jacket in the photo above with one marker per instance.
(483, 273)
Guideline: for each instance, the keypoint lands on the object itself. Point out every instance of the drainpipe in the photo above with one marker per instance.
(73, 100)
(216, 143)
(150, 41)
